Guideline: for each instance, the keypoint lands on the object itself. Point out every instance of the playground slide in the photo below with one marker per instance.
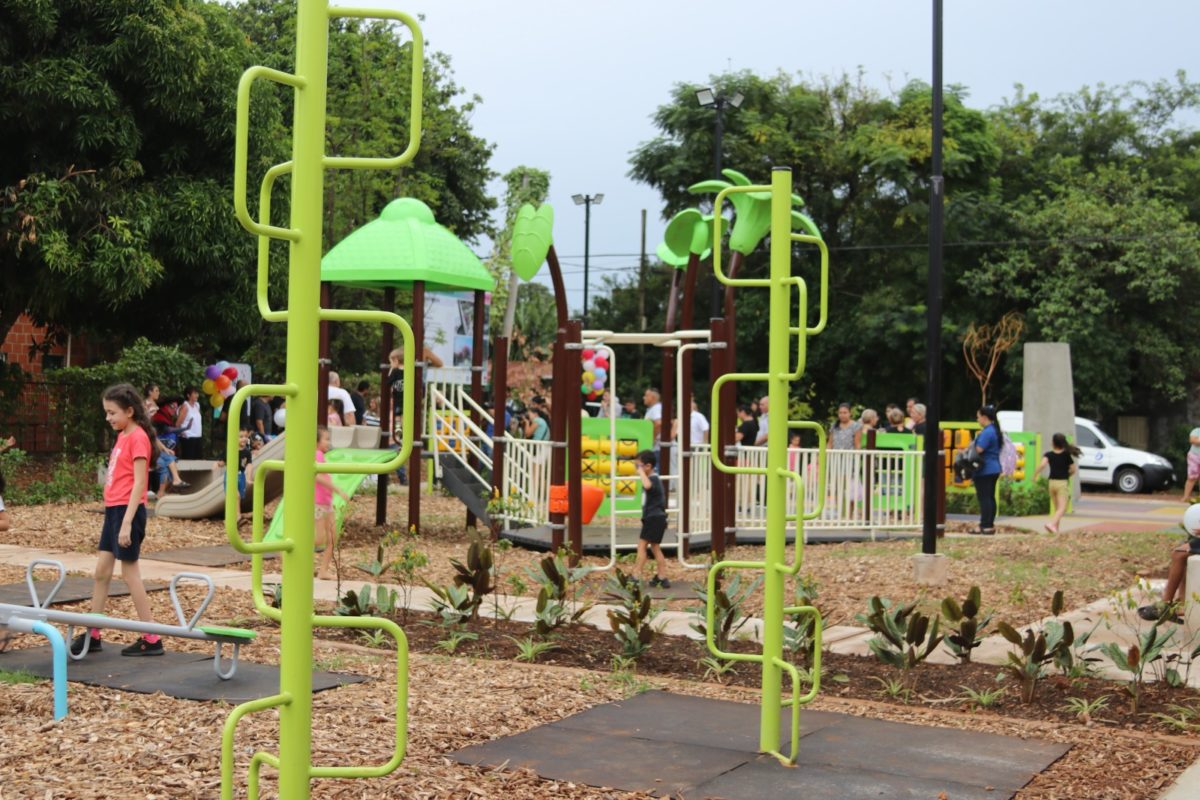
(209, 499)
(347, 483)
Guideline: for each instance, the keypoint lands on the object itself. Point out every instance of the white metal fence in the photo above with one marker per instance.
(864, 489)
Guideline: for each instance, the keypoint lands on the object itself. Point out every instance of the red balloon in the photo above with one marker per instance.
(588, 354)
(601, 362)
(231, 373)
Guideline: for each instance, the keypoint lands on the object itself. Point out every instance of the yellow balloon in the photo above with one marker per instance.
(217, 400)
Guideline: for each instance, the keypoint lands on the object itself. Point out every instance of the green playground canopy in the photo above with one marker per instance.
(404, 245)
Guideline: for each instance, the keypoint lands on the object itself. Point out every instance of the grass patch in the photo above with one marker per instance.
(19, 676)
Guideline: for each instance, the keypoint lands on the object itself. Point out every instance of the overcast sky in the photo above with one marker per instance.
(570, 87)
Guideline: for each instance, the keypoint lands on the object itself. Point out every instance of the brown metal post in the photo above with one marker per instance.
(685, 402)
(385, 404)
(323, 361)
(499, 403)
(414, 366)
(558, 431)
(574, 411)
(558, 398)
(716, 370)
(476, 379)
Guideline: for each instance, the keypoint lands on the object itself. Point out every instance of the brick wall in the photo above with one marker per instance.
(18, 347)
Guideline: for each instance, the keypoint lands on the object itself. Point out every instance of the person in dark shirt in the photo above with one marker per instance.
(1061, 463)
(747, 430)
(358, 398)
(918, 418)
(654, 520)
(260, 417)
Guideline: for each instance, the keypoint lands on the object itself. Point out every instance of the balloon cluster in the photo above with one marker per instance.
(220, 382)
(595, 374)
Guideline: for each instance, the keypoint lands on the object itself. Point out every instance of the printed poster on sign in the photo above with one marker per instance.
(449, 334)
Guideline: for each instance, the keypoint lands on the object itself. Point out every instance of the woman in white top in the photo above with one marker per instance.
(190, 425)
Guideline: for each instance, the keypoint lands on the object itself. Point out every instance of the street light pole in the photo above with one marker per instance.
(586, 200)
(710, 98)
(933, 307)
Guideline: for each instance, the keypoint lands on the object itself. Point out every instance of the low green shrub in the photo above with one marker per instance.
(1016, 499)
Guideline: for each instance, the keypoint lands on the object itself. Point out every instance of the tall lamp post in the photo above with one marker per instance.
(586, 200)
(710, 98)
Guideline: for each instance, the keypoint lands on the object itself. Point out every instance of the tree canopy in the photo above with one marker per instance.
(1078, 212)
(116, 178)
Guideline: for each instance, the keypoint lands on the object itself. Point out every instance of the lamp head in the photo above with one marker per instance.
(706, 98)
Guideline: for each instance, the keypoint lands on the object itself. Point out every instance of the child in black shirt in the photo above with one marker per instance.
(1061, 462)
(654, 520)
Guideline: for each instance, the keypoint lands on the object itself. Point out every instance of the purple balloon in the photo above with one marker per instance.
(211, 372)
(598, 386)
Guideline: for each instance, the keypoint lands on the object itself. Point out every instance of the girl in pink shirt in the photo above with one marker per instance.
(325, 532)
(129, 466)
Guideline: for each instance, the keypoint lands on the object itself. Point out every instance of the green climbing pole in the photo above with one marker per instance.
(774, 564)
(302, 317)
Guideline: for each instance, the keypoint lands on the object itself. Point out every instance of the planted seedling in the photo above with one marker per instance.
(968, 631)
(984, 698)
(729, 615)
(1027, 664)
(904, 636)
(1083, 709)
(632, 622)
(528, 650)
(1147, 651)
(455, 638)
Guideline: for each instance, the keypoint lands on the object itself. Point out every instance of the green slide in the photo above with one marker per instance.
(347, 483)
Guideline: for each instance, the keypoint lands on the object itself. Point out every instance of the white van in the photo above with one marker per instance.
(1105, 462)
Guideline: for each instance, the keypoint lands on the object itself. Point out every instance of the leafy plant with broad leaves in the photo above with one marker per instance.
(1027, 664)
(904, 636)
(632, 622)
(799, 638)
(729, 615)
(969, 631)
(1147, 651)
(453, 604)
(472, 582)
(369, 601)
(554, 601)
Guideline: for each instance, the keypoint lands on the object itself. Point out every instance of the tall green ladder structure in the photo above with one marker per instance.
(781, 284)
(303, 316)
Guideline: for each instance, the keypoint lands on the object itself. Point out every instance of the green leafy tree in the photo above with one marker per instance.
(1113, 268)
(115, 173)
(860, 161)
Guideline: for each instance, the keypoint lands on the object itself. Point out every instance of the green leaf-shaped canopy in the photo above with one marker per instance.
(688, 232)
(404, 245)
(752, 212)
(533, 233)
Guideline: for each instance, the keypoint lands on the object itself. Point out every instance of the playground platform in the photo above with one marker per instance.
(681, 746)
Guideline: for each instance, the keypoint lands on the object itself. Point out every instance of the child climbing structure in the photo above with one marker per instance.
(302, 317)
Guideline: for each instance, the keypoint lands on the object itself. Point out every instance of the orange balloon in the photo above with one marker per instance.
(221, 382)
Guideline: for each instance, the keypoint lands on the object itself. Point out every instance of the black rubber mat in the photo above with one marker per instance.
(185, 675)
(670, 745)
(217, 555)
(74, 589)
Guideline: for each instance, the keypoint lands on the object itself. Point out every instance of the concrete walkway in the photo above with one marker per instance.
(1110, 513)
